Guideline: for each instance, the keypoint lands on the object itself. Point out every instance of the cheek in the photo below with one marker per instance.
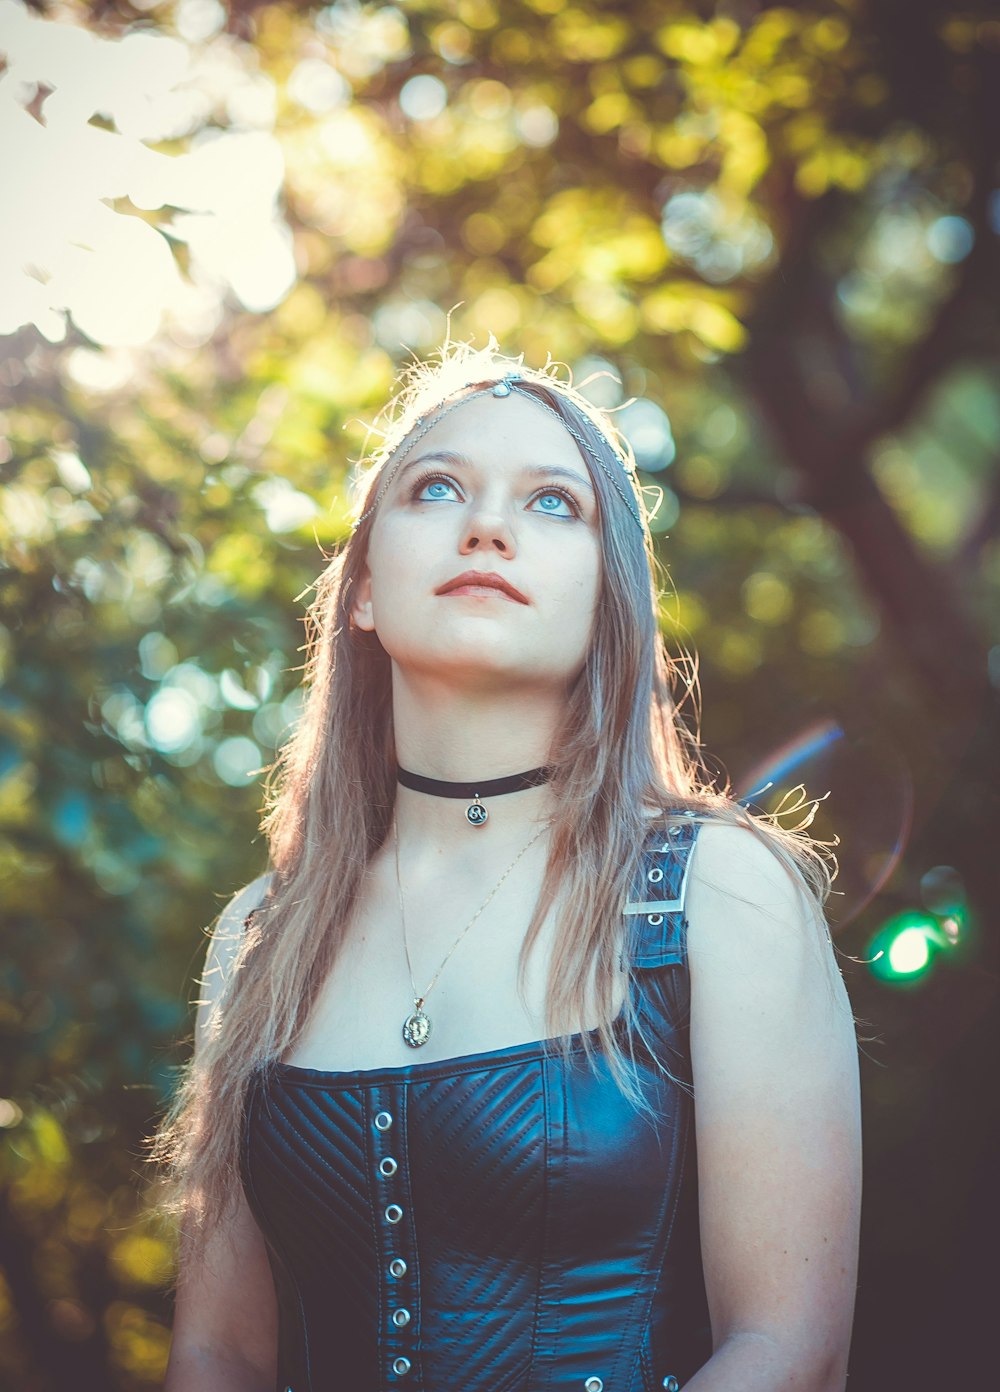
(579, 599)
(390, 568)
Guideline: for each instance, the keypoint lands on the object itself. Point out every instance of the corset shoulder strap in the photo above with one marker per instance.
(655, 910)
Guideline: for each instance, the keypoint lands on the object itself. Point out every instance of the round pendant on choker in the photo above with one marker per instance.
(417, 1028)
(476, 814)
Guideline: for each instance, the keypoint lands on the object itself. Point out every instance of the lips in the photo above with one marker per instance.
(476, 581)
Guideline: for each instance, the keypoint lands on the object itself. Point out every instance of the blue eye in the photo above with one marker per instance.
(556, 503)
(435, 489)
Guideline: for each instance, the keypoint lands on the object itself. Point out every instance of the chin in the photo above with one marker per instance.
(484, 663)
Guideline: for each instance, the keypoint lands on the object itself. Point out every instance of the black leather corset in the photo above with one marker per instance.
(504, 1220)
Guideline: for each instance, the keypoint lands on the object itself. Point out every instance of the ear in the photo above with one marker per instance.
(362, 615)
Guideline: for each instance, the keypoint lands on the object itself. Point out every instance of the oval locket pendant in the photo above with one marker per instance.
(417, 1028)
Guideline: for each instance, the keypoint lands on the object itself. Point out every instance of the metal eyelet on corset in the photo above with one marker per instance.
(655, 875)
(654, 920)
(400, 1366)
(397, 1267)
(400, 1318)
(594, 1384)
(670, 1384)
(393, 1213)
(383, 1121)
(388, 1167)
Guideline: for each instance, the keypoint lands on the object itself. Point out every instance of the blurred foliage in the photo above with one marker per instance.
(778, 228)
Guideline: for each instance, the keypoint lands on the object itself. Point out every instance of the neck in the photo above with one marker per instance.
(458, 736)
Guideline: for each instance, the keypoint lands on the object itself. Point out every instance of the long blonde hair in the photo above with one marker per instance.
(623, 750)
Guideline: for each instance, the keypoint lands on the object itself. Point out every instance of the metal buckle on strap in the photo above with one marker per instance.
(649, 906)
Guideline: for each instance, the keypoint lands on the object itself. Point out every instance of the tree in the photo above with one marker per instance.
(775, 224)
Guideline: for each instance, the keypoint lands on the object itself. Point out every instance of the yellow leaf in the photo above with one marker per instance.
(690, 43)
(812, 177)
(49, 1139)
(643, 70)
(746, 152)
(678, 150)
(717, 327)
(478, 14)
(143, 1259)
(583, 38)
(664, 311)
(608, 112)
(827, 35)
(767, 598)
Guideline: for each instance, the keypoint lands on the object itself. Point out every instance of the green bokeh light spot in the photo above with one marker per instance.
(903, 950)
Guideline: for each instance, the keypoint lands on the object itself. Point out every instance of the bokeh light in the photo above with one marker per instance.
(903, 951)
(423, 97)
(909, 952)
(173, 719)
(236, 760)
(646, 426)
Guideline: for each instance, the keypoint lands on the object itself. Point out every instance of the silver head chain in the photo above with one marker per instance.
(510, 382)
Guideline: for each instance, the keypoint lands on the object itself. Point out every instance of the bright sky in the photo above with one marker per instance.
(65, 250)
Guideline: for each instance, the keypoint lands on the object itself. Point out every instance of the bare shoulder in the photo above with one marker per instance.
(738, 864)
(745, 903)
(768, 1000)
(225, 939)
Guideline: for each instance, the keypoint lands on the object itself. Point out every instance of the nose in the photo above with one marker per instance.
(487, 527)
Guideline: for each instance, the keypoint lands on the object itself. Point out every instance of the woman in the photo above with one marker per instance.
(515, 967)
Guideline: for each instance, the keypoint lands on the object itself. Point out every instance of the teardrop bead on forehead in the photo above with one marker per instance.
(510, 383)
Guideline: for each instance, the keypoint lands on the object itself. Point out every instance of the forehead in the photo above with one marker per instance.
(507, 431)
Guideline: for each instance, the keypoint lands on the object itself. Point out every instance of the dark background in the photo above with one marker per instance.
(779, 228)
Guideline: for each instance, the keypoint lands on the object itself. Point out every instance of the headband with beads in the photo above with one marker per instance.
(510, 382)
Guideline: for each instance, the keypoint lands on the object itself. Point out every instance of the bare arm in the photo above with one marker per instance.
(225, 1330)
(778, 1127)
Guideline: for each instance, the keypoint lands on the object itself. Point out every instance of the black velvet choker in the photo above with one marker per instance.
(476, 814)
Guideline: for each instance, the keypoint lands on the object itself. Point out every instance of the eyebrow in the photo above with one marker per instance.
(539, 471)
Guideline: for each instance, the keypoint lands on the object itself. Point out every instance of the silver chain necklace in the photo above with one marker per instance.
(417, 1025)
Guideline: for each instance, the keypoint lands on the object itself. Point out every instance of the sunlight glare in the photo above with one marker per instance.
(64, 251)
